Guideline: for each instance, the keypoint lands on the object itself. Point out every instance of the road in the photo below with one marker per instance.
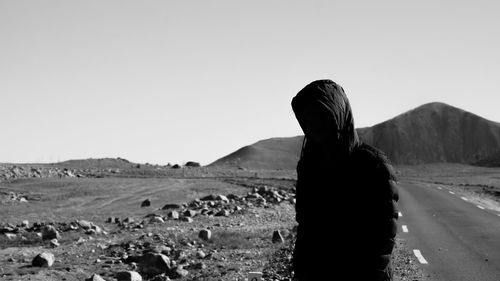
(457, 239)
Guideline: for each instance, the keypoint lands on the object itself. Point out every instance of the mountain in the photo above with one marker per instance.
(433, 132)
(274, 153)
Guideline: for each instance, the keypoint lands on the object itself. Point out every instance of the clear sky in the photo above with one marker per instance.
(173, 81)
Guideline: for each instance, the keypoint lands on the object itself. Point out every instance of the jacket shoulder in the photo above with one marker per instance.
(368, 159)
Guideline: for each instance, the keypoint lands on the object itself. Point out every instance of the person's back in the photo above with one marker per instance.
(345, 194)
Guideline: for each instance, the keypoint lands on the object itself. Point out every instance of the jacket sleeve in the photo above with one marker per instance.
(383, 215)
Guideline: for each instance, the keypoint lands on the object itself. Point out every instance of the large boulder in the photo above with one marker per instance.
(49, 232)
(45, 259)
(153, 264)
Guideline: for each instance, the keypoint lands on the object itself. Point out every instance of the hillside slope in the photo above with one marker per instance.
(433, 132)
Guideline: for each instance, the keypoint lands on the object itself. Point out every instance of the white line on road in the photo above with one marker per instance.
(465, 199)
(451, 192)
(480, 207)
(405, 228)
(400, 214)
(419, 256)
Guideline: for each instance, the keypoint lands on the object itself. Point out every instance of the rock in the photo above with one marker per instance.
(23, 200)
(45, 259)
(222, 213)
(205, 234)
(160, 278)
(146, 203)
(277, 237)
(187, 219)
(86, 225)
(173, 215)
(95, 277)
(190, 213)
(10, 236)
(128, 276)
(171, 206)
(156, 220)
(128, 220)
(110, 220)
(199, 266)
(54, 243)
(211, 197)
(153, 264)
(25, 224)
(162, 249)
(200, 254)
(222, 198)
(50, 232)
(179, 272)
(192, 164)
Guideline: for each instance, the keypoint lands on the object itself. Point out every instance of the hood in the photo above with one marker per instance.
(334, 99)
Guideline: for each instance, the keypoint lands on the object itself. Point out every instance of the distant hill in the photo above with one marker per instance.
(433, 132)
(102, 163)
(275, 153)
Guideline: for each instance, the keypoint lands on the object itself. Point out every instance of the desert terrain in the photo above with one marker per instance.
(105, 227)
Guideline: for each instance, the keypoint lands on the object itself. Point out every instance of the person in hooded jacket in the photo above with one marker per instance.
(345, 194)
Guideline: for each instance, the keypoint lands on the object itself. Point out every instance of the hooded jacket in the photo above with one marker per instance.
(352, 192)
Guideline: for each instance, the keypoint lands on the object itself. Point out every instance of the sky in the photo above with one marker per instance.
(174, 81)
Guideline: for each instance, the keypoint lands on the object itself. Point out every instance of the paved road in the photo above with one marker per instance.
(457, 239)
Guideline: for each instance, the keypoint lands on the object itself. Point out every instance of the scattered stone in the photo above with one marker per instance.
(200, 254)
(146, 203)
(50, 232)
(199, 266)
(192, 164)
(179, 272)
(95, 277)
(54, 243)
(128, 276)
(222, 198)
(277, 237)
(86, 225)
(205, 234)
(190, 213)
(161, 277)
(110, 220)
(157, 220)
(25, 224)
(45, 259)
(173, 215)
(187, 219)
(10, 236)
(222, 213)
(211, 197)
(153, 264)
(171, 206)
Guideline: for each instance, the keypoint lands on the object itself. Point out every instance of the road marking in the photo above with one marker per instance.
(480, 207)
(451, 192)
(399, 214)
(405, 228)
(465, 199)
(419, 256)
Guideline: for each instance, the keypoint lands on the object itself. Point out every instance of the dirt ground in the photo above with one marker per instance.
(241, 241)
